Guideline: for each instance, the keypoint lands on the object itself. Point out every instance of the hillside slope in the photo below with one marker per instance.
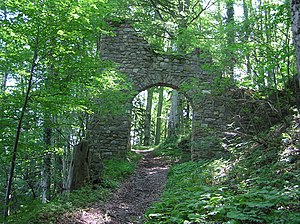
(258, 184)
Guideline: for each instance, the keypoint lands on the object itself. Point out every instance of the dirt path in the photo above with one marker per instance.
(137, 193)
(134, 196)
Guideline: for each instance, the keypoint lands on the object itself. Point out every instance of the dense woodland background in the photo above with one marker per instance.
(51, 72)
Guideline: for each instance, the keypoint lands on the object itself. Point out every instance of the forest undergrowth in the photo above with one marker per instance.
(259, 183)
(114, 172)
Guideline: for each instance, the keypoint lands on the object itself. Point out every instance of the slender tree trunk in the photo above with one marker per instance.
(158, 119)
(3, 87)
(5, 76)
(288, 60)
(173, 115)
(57, 175)
(46, 172)
(166, 126)
(147, 125)
(247, 31)
(230, 36)
(180, 114)
(271, 76)
(187, 118)
(295, 12)
(66, 161)
(16, 143)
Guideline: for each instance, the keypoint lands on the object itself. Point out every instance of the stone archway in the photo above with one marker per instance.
(146, 68)
(163, 123)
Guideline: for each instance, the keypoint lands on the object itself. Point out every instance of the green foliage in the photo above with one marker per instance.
(253, 48)
(173, 151)
(115, 171)
(259, 184)
(70, 83)
(53, 41)
(36, 212)
(138, 116)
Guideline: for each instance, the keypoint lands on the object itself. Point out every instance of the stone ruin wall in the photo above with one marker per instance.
(146, 68)
(212, 115)
(143, 65)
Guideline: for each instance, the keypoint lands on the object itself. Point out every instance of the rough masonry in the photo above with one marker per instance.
(146, 68)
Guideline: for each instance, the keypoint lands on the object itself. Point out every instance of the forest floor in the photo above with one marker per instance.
(131, 200)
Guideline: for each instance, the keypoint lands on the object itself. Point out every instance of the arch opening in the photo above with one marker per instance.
(160, 112)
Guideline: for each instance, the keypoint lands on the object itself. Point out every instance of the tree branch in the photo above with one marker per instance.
(208, 5)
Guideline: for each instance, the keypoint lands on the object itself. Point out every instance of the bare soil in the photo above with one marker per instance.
(129, 203)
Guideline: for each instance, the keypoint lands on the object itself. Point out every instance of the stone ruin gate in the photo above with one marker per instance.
(110, 136)
(146, 68)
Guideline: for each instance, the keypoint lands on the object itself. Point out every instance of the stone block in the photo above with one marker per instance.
(129, 29)
(164, 65)
(106, 154)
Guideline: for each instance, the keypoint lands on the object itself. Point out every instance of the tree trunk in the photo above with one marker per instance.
(158, 119)
(180, 114)
(66, 165)
(18, 133)
(5, 76)
(57, 175)
(46, 172)
(147, 125)
(173, 115)
(79, 171)
(230, 36)
(247, 32)
(187, 119)
(3, 87)
(295, 12)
